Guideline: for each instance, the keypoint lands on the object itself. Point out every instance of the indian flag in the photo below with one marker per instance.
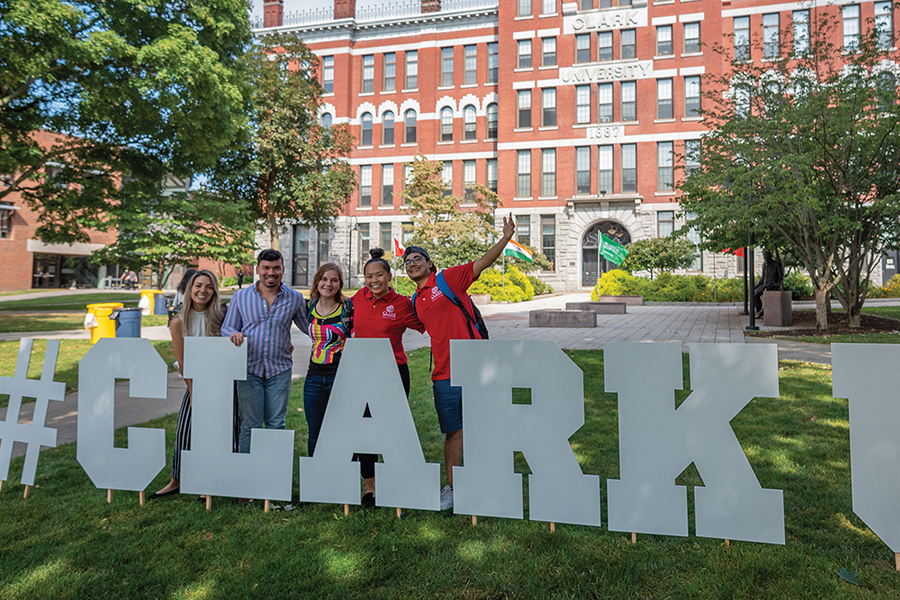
(517, 250)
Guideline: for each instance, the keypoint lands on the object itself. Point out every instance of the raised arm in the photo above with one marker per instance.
(509, 229)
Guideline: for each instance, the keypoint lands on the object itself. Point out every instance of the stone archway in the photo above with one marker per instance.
(592, 264)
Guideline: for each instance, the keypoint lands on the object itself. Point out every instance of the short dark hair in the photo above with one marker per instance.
(269, 255)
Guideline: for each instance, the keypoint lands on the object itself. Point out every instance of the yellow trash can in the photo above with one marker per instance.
(146, 302)
(98, 321)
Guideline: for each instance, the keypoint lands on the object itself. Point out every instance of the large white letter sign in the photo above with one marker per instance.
(43, 390)
(657, 442)
(866, 374)
(494, 428)
(368, 375)
(131, 468)
(210, 466)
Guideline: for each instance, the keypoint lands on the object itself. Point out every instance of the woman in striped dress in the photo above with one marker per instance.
(201, 315)
(329, 327)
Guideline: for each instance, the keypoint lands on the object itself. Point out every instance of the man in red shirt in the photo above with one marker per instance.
(444, 322)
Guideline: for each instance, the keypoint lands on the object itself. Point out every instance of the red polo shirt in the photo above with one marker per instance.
(385, 317)
(442, 319)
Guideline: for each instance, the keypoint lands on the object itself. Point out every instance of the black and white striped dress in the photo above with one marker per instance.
(183, 429)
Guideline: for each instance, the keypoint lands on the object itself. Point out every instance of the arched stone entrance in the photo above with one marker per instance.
(592, 264)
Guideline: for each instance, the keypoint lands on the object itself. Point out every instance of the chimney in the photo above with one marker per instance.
(344, 9)
(273, 13)
(430, 6)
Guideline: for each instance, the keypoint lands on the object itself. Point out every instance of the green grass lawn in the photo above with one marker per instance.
(892, 312)
(71, 302)
(70, 353)
(67, 542)
(47, 321)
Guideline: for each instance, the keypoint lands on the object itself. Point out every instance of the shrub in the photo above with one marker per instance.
(619, 283)
(228, 281)
(540, 286)
(513, 287)
(670, 288)
(403, 285)
(799, 285)
(891, 289)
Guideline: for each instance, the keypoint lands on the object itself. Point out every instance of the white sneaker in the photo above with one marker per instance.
(447, 498)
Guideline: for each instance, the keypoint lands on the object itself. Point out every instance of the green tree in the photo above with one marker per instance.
(289, 165)
(163, 229)
(660, 254)
(806, 150)
(130, 90)
(450, 235)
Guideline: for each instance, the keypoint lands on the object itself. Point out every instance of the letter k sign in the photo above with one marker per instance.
(658, 441)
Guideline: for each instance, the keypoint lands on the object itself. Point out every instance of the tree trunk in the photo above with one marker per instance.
(855, 313)
(822, 303)
(273, 229)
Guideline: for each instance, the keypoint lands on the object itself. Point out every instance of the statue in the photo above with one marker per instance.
(772, 280)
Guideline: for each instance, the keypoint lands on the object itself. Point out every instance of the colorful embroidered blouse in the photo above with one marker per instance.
(328, 335)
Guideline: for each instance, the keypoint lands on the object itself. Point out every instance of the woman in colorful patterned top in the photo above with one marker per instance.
(380, 312)
(329, 328)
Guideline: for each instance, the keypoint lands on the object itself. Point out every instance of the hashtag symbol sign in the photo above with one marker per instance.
(43, 390)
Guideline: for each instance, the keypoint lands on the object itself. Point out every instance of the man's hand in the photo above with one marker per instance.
(509, 228)
(237, 338)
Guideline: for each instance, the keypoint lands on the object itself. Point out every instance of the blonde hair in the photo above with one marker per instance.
(320, 273)
(214, 313)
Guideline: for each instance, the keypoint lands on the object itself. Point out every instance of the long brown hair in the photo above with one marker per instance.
(214, 313)
(320, 273)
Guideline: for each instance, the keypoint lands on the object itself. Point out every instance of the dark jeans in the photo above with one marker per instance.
(316, 390)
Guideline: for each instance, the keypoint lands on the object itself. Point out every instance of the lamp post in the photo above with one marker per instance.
(353, 226)
(749, 257)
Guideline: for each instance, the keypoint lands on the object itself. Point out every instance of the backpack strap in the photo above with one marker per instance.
(442, 285)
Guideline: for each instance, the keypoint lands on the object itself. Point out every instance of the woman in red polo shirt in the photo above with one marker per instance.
(380, 312)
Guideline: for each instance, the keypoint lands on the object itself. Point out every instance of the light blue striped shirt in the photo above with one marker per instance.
(267, 329)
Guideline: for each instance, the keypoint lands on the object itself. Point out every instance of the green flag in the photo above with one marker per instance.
(612, 250)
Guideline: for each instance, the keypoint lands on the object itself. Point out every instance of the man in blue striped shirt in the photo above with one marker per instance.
(262, 314)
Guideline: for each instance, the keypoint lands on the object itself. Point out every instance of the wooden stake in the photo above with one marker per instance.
(208, 502)
(109, 496)
(27, 492)
(633, 538)
(266, 506)
(141, 498)
(727, 543)
(897, 560)
(346, 510)
(474, 520)
(552, 527)
(398, 512)
(1, 485)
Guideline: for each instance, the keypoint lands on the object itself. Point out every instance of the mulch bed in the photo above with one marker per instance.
(804, 324)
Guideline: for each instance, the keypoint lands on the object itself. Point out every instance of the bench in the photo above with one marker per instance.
(562, 318)
(601, 308)
(629, 300)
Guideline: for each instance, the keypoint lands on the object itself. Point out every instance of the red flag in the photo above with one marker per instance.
(398, 248)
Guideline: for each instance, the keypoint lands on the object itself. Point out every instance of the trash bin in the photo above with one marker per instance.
(99, 322)
(160, 306)
(128, 322)
(147, 303)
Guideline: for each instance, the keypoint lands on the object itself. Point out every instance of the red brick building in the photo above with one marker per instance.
(26, 262)
(582, 107)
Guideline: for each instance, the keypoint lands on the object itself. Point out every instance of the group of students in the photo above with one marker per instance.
(262, 314)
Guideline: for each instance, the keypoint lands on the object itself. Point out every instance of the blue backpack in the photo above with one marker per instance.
(476, 321)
